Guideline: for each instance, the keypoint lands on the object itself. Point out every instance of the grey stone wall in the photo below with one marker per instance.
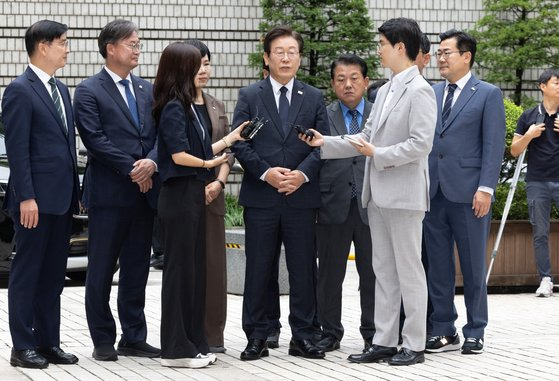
(229, 27)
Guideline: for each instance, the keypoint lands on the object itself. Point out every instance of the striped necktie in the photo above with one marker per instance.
(448, 103)
(57, 102)
(353, 129)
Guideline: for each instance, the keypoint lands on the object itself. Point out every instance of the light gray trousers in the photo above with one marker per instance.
(396, 236)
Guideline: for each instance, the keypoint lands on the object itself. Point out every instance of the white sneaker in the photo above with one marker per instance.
(199, 361)
(546, 288)
(212, 357)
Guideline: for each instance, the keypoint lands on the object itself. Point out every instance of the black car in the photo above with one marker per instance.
(77, 247)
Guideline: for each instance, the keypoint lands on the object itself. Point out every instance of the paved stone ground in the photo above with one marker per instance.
(521, 344)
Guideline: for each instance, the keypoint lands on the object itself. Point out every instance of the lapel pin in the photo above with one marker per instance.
(299, 92)
(473, 88)
(140, 86)
(213, 107)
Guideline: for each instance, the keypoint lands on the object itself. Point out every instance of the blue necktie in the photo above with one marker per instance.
(284, 109)
(353, 129)
(57, 102)
(131, 102)
(448, 103)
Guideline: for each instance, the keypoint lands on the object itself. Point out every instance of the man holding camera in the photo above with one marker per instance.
(538, 130)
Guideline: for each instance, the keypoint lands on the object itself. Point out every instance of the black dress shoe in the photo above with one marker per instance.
(28, 358)
(328, 343)
(305, 348)
(375, 353)
(317, 335)
(105, 352)
(368, 343)
(273, 340)
(255, 349)
(55, 355)
(407, 357)
(139, 349)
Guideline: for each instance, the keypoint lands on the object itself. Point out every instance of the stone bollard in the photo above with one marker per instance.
(236, 263)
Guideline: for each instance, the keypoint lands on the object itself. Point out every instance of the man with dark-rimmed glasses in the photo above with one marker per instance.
(464, 168)
(113, 116)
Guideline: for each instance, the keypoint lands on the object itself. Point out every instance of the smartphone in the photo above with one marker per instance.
(540, 119)
(302, 130)
(352, 140)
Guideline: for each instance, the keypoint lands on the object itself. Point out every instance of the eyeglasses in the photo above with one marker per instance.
(290, 54)
(61, 43)
(135, 47)
(447, 53)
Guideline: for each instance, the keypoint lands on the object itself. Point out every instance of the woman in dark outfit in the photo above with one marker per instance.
(184, 159)
(212, 115)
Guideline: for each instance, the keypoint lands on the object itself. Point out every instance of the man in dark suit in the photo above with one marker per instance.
(113, 116)
(464, 168)
(280, 193)
(342, 218)
(42, 194)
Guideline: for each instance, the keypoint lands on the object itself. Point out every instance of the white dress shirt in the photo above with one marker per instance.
(120, 86)
(44, 77)
(276, 87)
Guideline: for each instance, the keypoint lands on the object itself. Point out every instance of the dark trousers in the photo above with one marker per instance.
(216, 279)
(334, 242)
(265, 229)
(120, 234)
(446, 223)
(181, 208)
(37, 279)
(541, 194)
(157, 237)
(273, 311)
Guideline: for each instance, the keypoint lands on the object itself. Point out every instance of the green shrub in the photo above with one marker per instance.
(519, 206)
(233, 212)
(512, 114)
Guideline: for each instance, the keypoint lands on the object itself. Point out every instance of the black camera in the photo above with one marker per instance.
(302, 130)
(251, 129)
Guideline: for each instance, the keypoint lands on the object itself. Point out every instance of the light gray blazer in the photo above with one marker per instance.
(397, 176)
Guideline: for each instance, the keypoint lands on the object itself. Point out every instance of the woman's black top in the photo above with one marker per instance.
(179, 131)
(204, 118)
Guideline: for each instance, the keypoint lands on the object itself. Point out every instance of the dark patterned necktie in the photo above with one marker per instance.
(283, 109)
(131, 102)
(448, 103)
(353, 129)
(57, 102)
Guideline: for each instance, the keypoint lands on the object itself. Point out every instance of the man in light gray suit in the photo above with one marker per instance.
(341, 217)
(396, 140)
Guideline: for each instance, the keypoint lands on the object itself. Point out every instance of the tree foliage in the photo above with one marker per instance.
(508, 166)
(516, 35)
(328, 27)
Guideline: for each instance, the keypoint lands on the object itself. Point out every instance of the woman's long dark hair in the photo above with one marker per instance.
(178, 65)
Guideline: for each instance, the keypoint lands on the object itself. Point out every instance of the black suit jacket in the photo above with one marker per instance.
(337, 175)
(271, 147)
(113, 141)
(42, 156)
